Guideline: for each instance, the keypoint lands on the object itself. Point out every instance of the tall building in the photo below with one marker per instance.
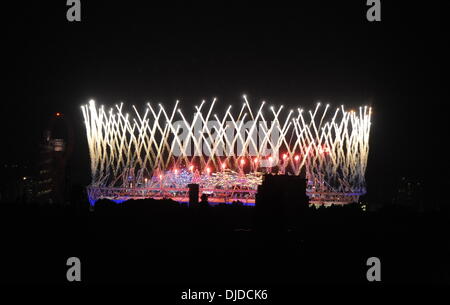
(52, 177)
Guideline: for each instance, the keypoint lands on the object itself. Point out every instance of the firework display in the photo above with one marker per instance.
(158, 152)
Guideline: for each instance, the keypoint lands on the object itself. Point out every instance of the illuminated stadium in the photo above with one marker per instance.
(158, 152)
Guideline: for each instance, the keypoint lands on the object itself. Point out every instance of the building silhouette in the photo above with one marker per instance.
(410, 194)
(279, 202)
(16, 183)
(52, 179)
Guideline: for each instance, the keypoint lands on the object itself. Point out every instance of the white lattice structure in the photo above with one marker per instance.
(230, 151)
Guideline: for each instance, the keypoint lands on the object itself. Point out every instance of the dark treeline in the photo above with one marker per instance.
(151, 241)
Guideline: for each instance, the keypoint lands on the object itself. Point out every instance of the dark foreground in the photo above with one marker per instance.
(163, 243)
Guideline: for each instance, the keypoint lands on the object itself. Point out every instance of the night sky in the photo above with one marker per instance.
(285, 54)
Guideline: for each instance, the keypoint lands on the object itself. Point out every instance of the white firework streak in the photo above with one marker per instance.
(331, 150)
